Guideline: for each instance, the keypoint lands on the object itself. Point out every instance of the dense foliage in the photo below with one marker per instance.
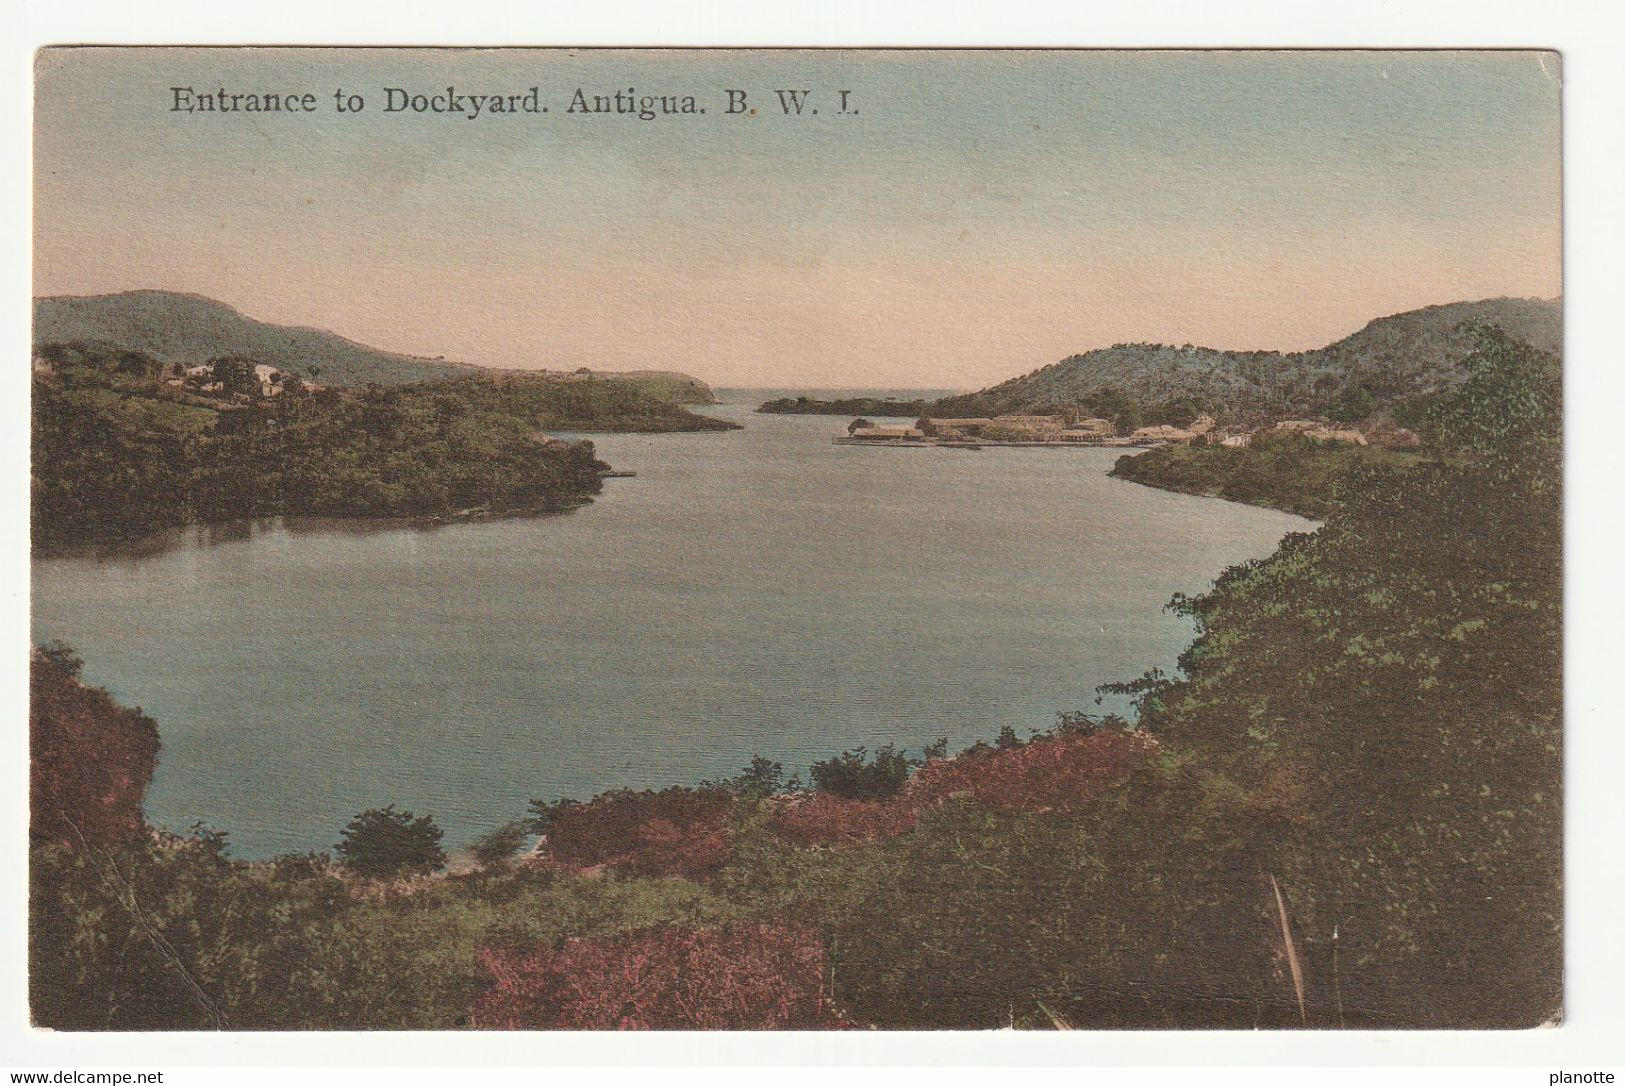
(600, 406)
(499, 845)
(1283, 470)
(90, 758)
(1056, 772)
(1368, 724)
(119, 452)
(756, 977)
(854, 774)
(1404, 666)
(1125, 412)
(823, 820)
(384, 842)
(676, 831)
(852, 405)
(1389, 365)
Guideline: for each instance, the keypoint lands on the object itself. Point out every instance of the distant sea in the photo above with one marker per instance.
(756, 396)
(760, 591)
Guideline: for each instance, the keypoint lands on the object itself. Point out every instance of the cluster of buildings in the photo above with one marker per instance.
(1024, 430)
(1003, 428)
(272, 381)
(1056, 430)
(1384, 434)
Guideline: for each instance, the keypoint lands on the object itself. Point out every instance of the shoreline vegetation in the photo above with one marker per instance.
(1287, 471)
(125, 445)
(1343, 811)
(884, 407)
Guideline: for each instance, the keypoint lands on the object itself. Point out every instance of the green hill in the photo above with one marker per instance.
(1391, 365)
(667, 385)
(191, 329)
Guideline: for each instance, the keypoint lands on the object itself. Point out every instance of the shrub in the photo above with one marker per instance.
(1062, 772)
(759, 780)
(852, 775)
(677, 831)
(90, 759)
(1141, 911)
(500, 844)
(383, 842)
(1405, 662)
(1353, 404)
(824, 820)
(763, 977)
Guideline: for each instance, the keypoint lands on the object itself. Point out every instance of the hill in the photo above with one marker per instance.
(1344, 811)
(191, 329)
(1394, 365)
(124, 447)
(667, 385)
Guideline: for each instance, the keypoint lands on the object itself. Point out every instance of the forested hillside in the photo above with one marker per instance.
(190, 329)
(1397, 366)
(122, 447)
(1345, 810)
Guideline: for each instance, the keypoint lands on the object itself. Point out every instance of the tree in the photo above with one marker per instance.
(91, 759)
(1128, 420)
(500, 844)
(384, 841)
(63, 656)
(851, 774)
(762, 778)
(1353, 404)
(236, 375)
(1393, 683)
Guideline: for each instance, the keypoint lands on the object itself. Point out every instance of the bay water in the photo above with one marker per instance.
(760, 591)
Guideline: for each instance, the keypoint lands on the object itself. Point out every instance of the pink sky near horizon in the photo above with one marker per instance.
(826, 263)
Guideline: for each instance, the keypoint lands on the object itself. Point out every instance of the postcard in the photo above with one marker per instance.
(784, 539)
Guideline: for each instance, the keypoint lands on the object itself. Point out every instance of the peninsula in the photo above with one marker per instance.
(154, 410)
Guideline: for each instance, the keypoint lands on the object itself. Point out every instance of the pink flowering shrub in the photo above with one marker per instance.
(678, 831)
(1061, 772)
(820, 819)
(759, 977)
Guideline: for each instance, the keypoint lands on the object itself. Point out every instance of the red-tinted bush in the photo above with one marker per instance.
(1051, 773)
(821, 819)
(678, 831)
(765, 977)
(90, 758)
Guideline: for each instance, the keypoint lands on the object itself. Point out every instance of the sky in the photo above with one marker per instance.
(971, 216)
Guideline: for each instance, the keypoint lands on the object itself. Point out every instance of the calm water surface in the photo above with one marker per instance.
(759, 591)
